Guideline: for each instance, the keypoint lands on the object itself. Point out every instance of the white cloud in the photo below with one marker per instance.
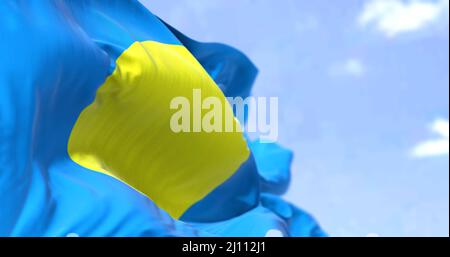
(306, 23)
(274, 233)
(435, 147)
(351, 67)
(393, 17)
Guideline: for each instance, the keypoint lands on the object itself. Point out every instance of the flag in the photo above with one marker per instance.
(85, 141)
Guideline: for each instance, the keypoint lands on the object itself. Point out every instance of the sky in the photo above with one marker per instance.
(363, 89)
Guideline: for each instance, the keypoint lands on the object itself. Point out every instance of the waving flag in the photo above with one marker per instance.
(85, 141)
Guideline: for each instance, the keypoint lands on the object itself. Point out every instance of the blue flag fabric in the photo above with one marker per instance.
(50, 69)
(56, 55)
(274, 166)
(298, 222)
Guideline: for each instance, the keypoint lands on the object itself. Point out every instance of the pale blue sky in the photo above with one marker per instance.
(360, 84)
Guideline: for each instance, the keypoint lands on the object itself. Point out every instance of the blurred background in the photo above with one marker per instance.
(363, 88)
